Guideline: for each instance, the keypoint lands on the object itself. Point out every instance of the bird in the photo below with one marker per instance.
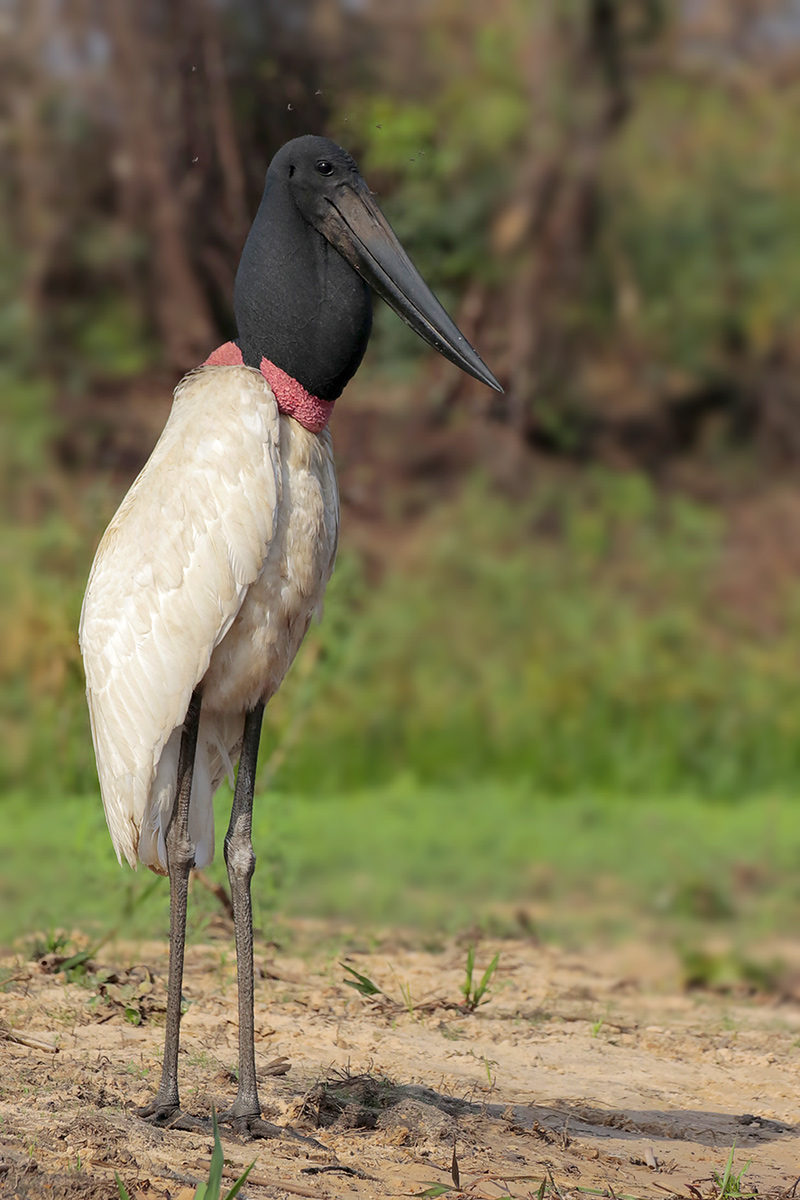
(209, 574)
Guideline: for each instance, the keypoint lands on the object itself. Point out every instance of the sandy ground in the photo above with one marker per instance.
(590, 1071)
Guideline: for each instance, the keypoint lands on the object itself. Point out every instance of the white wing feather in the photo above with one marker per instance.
(168, 580)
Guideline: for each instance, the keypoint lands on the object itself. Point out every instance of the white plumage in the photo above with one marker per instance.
(208, 576)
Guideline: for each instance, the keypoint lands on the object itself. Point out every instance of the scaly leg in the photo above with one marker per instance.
(245, 1112)
(165, 1109)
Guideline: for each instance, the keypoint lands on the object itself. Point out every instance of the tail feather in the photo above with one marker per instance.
(219, 743)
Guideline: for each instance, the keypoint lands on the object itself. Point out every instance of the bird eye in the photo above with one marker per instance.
(324, 167)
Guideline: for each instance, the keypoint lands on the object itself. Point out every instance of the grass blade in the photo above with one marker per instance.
(487, 975)
(466, 987)
(239, 1182)
(210, 1190)
(361, 983)
(454, 1167)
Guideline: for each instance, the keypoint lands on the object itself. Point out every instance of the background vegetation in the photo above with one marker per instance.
(565, 622)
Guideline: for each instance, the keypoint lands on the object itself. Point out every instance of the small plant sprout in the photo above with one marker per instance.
(472, 992)
(54, 942)
(405, 992)
(729, 1184)
(434, 1190)
(361, 983)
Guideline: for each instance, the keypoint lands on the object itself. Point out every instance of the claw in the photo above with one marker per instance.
(255, 1127)
(248, 1125)
(171, 1116)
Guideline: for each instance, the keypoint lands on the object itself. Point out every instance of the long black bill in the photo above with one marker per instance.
(358, 229)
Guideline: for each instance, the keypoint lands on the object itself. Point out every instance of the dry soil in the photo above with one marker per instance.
(588, 1070)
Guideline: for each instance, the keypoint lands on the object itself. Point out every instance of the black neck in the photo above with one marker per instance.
(297, 302)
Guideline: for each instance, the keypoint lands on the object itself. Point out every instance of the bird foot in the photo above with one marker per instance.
(171, 1116)
(166, 1115)
(252, 1125)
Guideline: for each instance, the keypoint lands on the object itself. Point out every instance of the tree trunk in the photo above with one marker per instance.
(181, 312)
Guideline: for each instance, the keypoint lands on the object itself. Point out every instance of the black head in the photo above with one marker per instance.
(301, 296)
(317, 171)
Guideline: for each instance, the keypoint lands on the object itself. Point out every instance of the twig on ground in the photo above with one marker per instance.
(23, 1039)
(268, 1181)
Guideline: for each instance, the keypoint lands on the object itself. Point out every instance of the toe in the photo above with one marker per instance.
(171, 1116)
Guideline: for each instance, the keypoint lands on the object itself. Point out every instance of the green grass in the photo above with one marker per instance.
(436, 859)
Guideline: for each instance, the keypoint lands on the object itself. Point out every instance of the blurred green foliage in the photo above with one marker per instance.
(571, 641)
(691, 250)
(568, 644)
(593, 655)
(703, 205)
(440, 164)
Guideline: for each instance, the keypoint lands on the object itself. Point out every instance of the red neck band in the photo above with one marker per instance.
(293, 399)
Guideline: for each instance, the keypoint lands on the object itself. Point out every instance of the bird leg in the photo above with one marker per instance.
(245, 1112)
(165, 1109)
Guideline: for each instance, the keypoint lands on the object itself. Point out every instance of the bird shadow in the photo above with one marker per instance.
(343, 1100)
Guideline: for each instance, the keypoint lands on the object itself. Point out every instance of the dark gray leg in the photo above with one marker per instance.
(245, 1112)
(164, 1109)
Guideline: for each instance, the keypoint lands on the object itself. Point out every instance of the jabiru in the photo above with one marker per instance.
(207, 578)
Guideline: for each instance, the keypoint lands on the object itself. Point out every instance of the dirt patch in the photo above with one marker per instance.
(594, 1069)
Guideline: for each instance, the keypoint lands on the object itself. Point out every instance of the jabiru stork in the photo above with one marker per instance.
(206, 580)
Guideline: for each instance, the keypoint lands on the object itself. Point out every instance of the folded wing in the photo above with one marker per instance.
(170, 575)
